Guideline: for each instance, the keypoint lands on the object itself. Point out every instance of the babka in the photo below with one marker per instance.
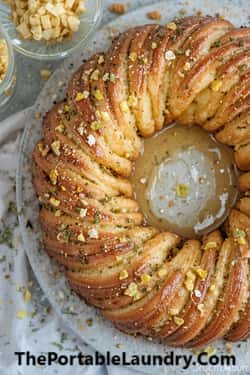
(182, 292)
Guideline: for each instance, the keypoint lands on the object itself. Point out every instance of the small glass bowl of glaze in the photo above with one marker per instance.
(42, 50)
(8, 83)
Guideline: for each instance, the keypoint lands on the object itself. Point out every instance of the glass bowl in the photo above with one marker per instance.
(48, 50)
(7, 86)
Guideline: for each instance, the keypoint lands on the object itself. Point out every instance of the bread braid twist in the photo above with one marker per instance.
(155, 284)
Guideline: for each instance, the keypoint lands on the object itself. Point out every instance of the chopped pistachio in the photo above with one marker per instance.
(143, 59)
(55, 147)
(189, 281)
(54, 202)
(6, 237)
(60, 128)
(21, 314)
(216, 85)
(172, 26)
(66, 108)
(101, 60)
(212, 288)
(81, 326)
(98, 95)
(132, 101)
(112, 77)
(210, 245)
(27, 295)
(132, 291)
(81, 95)
(187, 66)
(104, 116)
(96, 125)
(118, 259)
(217, 43)
(238, 233)
(182, 190)
(53, 176)
(44, 149)
(239, 236)
(178, 321)
(81, 237)
(201, 273)
(95, 75)
(109, 77)
(145, 278)
(242, 67)
(105, 77)
(133, 56)
(241, 241)
(124, 106)
(66, 235)
(123, 275)
(162, 273)
(97, 217)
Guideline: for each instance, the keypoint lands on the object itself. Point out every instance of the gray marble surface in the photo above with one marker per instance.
(29, 81)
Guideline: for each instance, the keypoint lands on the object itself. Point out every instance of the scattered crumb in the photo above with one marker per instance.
(37, 115)
(229, 347)
(118, 8)
(27, 296)
(21, 314)
(183, 12)
(155, 15)
(119, 346)
(45, 74)
(89, 322)
(8, 92)
(172, 26)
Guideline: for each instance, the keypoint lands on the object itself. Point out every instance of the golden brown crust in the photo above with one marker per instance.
(185, 293)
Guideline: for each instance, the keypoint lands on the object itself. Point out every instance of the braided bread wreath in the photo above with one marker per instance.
(182, 292)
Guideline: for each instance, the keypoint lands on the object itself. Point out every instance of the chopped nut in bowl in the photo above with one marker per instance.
(49, 29)
(7, 69)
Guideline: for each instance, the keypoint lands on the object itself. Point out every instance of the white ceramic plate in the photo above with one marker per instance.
(102, 336)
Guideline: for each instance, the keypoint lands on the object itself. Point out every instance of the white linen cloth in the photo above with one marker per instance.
(27, 323)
